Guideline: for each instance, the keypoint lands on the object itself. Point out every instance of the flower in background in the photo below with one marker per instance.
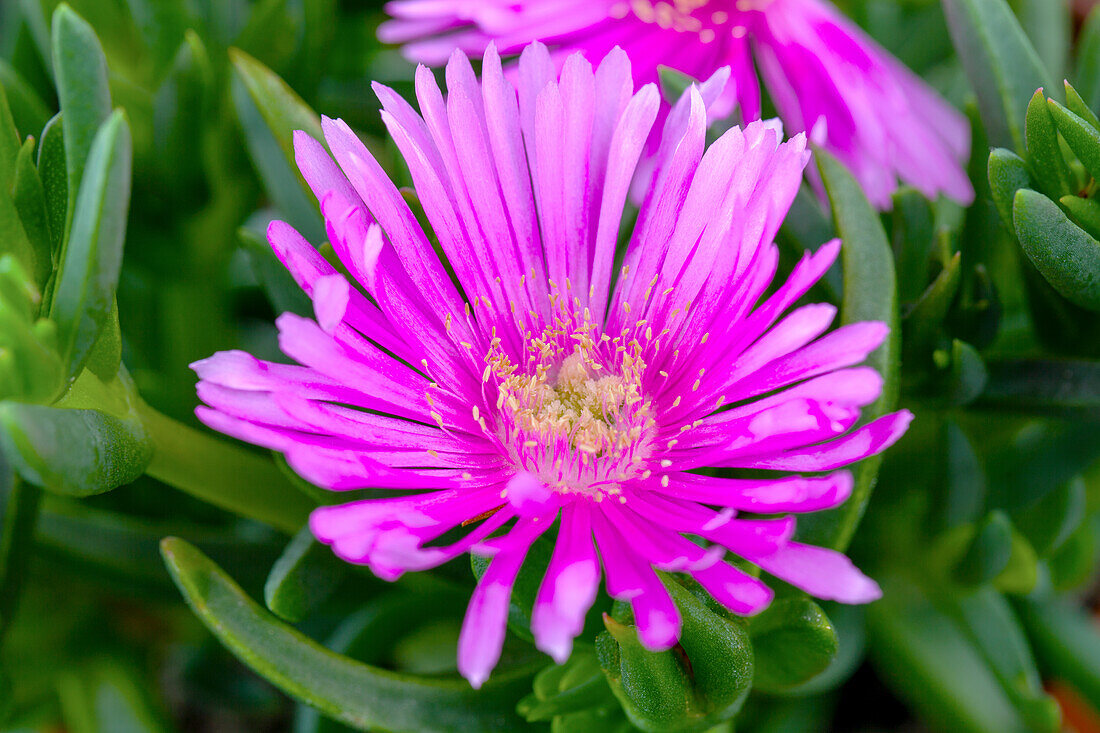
(823, 73)
(532, 385)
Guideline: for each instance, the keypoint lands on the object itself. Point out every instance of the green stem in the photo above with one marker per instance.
(222, 474)
(18, 516)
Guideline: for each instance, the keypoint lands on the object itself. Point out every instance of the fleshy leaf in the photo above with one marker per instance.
(81, 71)
(92, 256)
(357, 694)
(304, 576)
(1066, 256)
(1001, 63)
(870, 294)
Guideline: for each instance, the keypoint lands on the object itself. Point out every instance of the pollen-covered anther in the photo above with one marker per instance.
(575, 411)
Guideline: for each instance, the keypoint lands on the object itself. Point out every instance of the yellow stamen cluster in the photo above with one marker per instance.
(576, 407)
(702, 17)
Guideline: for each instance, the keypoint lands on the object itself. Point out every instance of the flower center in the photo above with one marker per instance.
(576, 413)
(706, 18)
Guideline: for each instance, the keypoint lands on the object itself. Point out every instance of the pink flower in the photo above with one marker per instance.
(823, 73)
(545, 388)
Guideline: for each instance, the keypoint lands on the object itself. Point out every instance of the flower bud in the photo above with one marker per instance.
(700, 682)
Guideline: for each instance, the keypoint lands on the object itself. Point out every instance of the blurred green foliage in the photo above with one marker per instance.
(145, 144)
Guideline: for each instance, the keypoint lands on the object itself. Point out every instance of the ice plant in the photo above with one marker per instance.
(823, 73)
(530, 383)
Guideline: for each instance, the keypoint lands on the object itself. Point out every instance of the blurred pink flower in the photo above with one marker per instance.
(823, 73)
(547, 388)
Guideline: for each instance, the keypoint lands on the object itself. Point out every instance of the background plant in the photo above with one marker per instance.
(162, 129)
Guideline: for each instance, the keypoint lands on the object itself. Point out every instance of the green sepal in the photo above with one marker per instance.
(561, 690)
(674, 83)
(360, 695)
(703, 681)
(793, 641)
(653, 687)
(913, 235)
(1066, 256)
(925, 321)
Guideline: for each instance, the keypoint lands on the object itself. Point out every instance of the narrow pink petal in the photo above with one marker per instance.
(482, 636)
(569, 587)
(820, 572)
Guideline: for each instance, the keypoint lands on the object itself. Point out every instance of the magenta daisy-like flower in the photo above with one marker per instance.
(534, 380)
(823, 73)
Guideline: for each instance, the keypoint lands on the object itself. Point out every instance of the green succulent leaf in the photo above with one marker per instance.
(75, 449)
(1088, 59)
(365, 697)
(303, 577)
(988, 620)
(1085, 213)
(1066, 256)
(870, 294)
(92, 257)
(82, 89)
(968, 376)
(1047, 387)
(270, 112)
(1081, 136)
(1043, 148)
(18, 515)
(1071, 565)
(989, 551)
(55, 182)
(27, 108)
(925, 320)
(1008, 173)
(914, 233)
(1000, 62)
(1053, 519)
(1066, 643)
(108, 695)
(1079, 107)
(30, 203)
(13, 238)
(928, 661)
(963, 482)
